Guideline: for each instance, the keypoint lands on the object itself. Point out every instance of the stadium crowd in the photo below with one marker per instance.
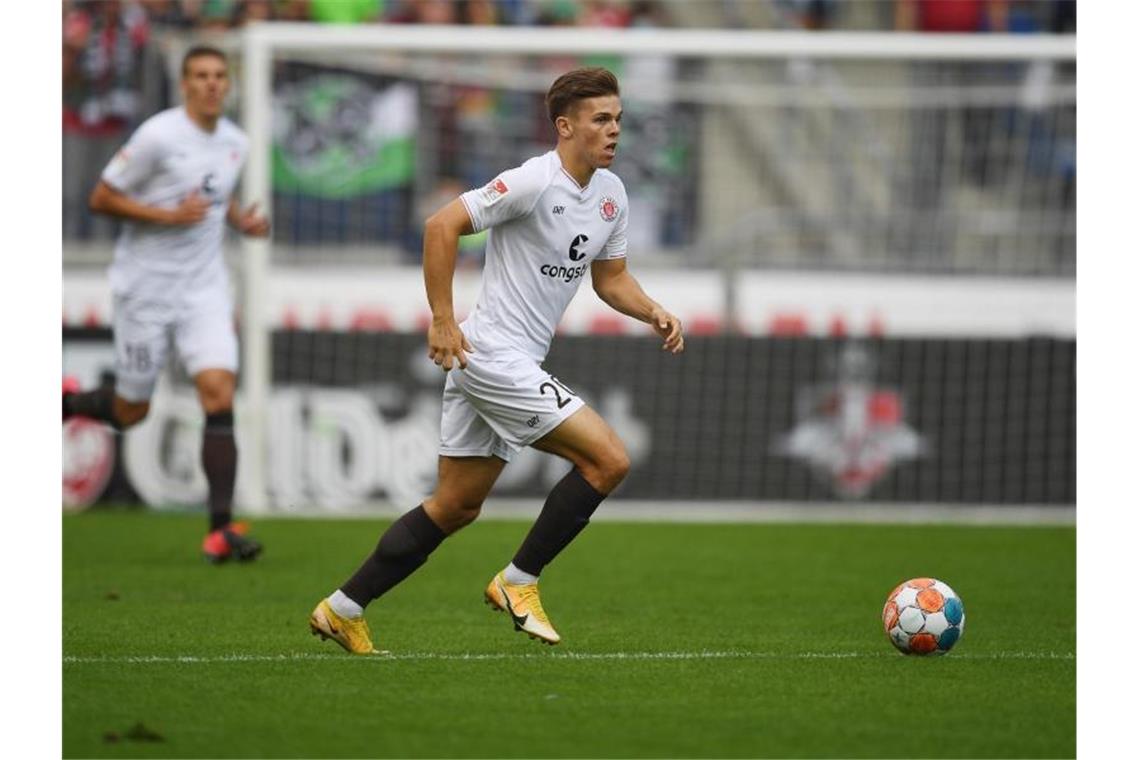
(114, 74)
(924, 15)
(217, 15)
(116, 52)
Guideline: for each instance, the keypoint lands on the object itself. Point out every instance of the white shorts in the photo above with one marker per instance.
(200, 324)
(501, 404)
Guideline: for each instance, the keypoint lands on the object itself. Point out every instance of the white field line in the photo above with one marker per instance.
(697, 511)
(573, 656)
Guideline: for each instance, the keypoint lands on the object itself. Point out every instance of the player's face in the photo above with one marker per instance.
(205, 84)
(596, 125)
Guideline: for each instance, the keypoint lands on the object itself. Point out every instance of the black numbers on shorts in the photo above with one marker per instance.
(554, 384)
(138, 357)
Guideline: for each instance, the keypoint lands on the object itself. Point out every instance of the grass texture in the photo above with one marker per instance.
(679, 640)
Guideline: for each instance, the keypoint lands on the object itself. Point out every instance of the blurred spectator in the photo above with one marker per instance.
(807, 14)
(1063, 17)
(478, 12)
(103, 47)
(254, 10)
(168, 14)
(557, 13)
(346, 11)
(1054, 16)
(217, 15)
(424, 12)
(605, 13)
(647, 14)
(952, 15)
(102, 50)
(515, 12)
(291, 10)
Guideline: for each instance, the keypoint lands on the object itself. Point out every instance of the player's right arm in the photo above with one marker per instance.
(446, 341)
(130, 169)
(105, 199)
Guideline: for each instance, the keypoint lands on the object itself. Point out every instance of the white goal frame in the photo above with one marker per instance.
(261, 41)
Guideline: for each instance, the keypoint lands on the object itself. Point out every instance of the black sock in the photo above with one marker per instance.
(403, 548)
(219, 460)
(98, 404)
(566, 512)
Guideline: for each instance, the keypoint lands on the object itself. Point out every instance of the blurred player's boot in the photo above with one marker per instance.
(350, 633)
(230, 542)
(522, 603)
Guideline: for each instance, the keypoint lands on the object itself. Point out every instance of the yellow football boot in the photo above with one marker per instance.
(352, 634)
(524, 606)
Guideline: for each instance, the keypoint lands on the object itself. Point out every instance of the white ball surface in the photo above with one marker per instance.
(911, 620)
(936, 623)
(907, 597)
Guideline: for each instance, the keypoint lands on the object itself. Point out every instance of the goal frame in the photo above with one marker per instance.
(261, 41)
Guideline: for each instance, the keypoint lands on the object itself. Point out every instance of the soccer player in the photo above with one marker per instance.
(172, 185)
(552, 220)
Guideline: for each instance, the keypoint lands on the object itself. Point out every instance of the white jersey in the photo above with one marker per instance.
(545, 232)
(167, 158)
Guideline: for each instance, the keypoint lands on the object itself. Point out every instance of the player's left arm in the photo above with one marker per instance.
(247, 222)
(622, 292)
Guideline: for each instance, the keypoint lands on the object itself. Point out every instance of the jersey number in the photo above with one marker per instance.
(553, 384)
(138, 357)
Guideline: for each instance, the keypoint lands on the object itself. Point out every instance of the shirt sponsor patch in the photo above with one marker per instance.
(494, 191)
(608, 209)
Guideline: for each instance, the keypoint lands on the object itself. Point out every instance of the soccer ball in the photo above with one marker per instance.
(923, 616)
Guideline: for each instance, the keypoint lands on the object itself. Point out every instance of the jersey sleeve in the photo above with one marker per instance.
(135, 161)
(615, 247)
(509, 196)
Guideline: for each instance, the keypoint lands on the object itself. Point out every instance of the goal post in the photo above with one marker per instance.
(842, 232)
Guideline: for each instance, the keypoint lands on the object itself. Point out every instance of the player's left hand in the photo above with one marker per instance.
(252, 223)
(668, 327)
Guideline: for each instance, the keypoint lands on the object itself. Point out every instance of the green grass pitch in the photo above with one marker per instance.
(678, 640)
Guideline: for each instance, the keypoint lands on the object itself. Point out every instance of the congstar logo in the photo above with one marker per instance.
(575, 255)
(568, 274)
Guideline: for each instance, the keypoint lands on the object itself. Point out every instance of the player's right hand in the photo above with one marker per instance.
(191, 210)
(447, 344)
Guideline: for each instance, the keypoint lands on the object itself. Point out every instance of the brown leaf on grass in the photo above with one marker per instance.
(140, 733)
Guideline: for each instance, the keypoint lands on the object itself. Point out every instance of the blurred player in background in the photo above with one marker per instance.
(551, 220)
(172, 185)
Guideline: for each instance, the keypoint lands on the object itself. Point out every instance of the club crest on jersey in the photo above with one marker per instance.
(608, 209)
(494, 191)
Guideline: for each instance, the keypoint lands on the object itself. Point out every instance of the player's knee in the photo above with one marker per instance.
(219, 404)
(617, 466)
(465, 507)
(458, 509)
(608, 471)
(130, 413)
(466, 517)
(216, 397)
